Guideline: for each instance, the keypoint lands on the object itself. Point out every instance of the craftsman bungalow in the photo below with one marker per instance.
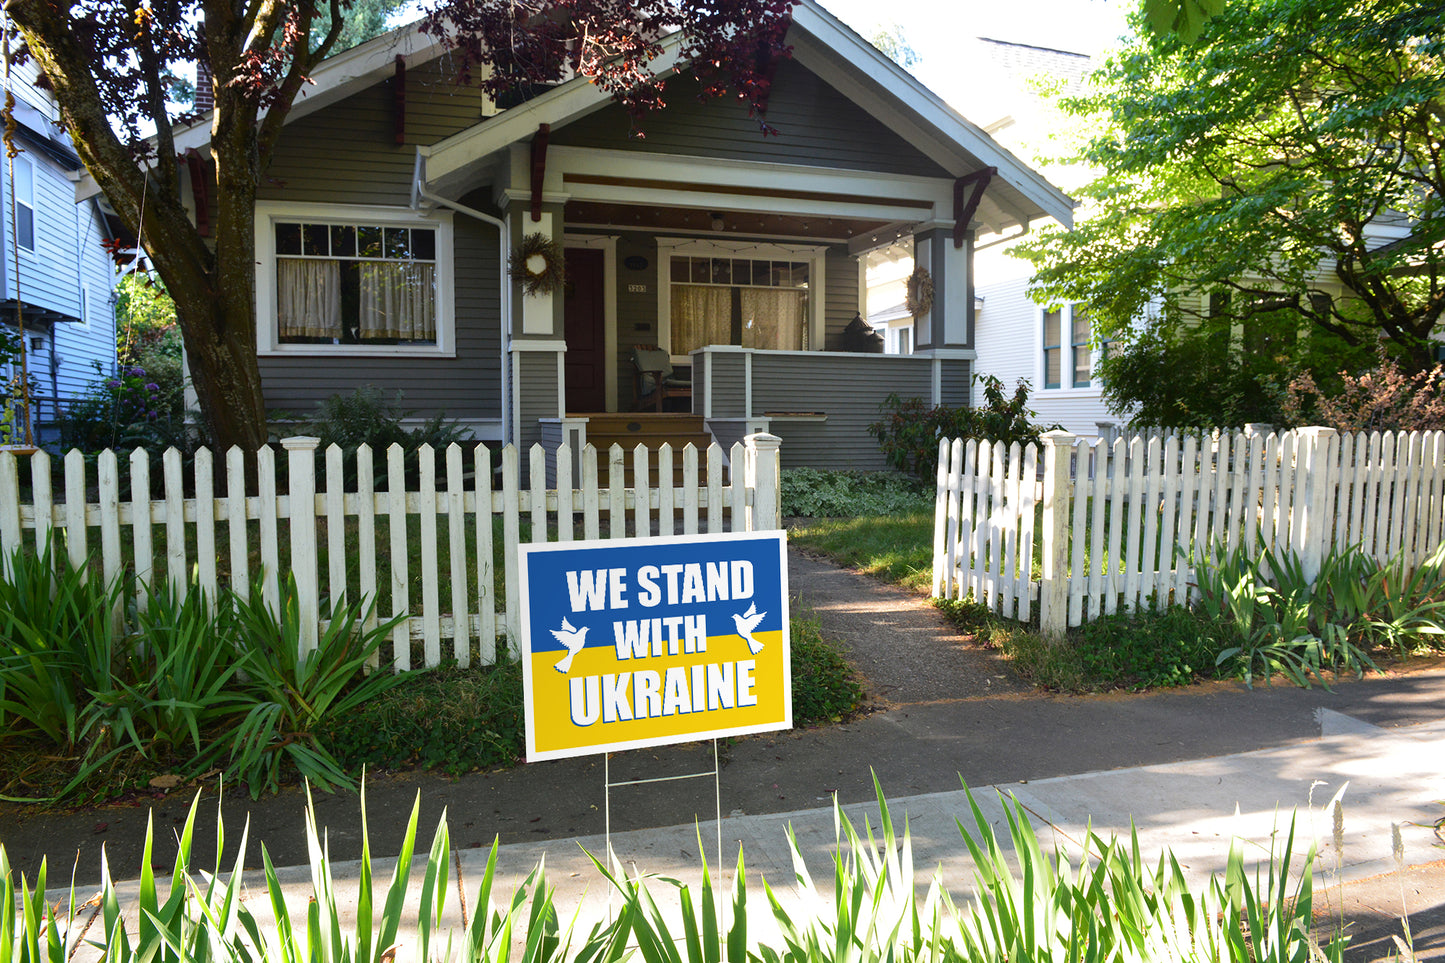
(387, 221)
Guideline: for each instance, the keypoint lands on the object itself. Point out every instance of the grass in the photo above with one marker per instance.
(898, 548)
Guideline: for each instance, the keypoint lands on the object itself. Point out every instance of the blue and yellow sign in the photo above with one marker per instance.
(651, 641)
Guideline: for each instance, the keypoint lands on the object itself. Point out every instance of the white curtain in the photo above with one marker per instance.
(700, 316)
(308, 298)
(398, 300)
(773, 318)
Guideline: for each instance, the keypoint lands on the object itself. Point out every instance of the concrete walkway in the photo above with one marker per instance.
(1190, 769)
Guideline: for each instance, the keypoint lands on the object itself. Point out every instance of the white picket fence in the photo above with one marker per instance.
(219, 538)
(1118, 524)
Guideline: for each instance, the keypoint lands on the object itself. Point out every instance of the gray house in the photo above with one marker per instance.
(387, 221)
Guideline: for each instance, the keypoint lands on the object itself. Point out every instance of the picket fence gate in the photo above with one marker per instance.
(213, 540)
(1118, 524)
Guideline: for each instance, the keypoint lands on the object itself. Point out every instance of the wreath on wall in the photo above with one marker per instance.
(919, 297)
(538, 262)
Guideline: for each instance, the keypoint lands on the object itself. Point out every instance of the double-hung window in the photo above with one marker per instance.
(1068, 347)
(333, 279)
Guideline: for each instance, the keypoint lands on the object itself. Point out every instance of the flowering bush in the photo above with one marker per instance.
(126, 410)
(1383, 398)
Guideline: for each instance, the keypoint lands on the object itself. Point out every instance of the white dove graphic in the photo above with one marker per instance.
(746, 623)
(573, 638)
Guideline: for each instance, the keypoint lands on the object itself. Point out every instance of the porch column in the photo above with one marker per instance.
(535, 346)
(950, 323)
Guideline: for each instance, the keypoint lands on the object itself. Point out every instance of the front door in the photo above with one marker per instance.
(583, 312)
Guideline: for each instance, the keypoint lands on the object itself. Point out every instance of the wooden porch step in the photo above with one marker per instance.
(653, 430)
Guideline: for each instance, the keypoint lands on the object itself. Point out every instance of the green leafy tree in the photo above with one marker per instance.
(894, 44)
(1269, 195)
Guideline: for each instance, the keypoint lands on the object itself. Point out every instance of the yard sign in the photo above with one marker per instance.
(651, 641)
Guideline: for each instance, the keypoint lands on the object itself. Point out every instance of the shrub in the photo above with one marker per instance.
(910, 431)
(1154, 647)
(1384, 398)
(123, 411)
(818, 493)
(366, 417)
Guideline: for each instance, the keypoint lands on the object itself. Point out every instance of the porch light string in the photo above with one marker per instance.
(10, 153)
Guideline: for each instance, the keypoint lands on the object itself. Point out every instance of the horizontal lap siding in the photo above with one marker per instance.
(848, 389)
(729, 394)
(816, 125)
(79, 344)
(466, 387)
(538, 378)
(955, 380)
(47, 274)
(840, 281)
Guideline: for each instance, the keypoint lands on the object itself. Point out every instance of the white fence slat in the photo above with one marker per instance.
(486, 571)
(1078, 572)
(1435, 455)
(1099, 495)
(10, 537)
(1355, 534)
(1372, 493)
(591, 501)
(689, 490)
(238, 543)
(641, 493)
(566, 518)
(1284, 505)
(267, 516)
(1345, 491)
(1238, 473)
(1412, 514)
(44, 502)
(1204, 475)
(714, 488)
(953, 563)
(1148, 558)
(994, 531)
(1010, 584)
(1027, 504)
(1253, 489)
(739, 503)
(537, 494)
(964, 534)
(301, 509)
(1135, 533)
(175, 523)
(1118, 500)
(366, 536)
(1188, 486)
(511, 538)
(666, 503)
(1219, 502)
(457, 554)
(1168, 533)
(1392, 493)
(400, 568)
(140, 515)
(1269, 497)
(616, 492)
(978, 547)
(943, 498)
(108, 470)
(335, 515)
(76, 540)
(204, 474)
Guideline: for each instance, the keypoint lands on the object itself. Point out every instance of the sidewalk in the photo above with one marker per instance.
(1178, 764)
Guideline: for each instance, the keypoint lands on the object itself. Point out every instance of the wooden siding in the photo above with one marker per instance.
(955, 381)
(466, 387)
(376, 169)
(538, 383)
(840, 285)
(847, 388)
(729, 397)
(817, 126)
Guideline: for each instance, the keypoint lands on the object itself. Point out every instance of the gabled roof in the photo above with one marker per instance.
(821, 42)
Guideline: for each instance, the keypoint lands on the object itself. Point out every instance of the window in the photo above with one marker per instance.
(1068, 351)
(24, 202)
(751, 295)
(338, 280)
(750, 302)
(1053, 359)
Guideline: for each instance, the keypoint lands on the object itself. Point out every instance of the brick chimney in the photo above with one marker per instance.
(205, 89)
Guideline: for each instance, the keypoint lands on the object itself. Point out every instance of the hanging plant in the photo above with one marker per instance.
(919, 299)
(539, 264)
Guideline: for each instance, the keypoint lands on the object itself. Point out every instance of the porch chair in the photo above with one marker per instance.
(655, 380)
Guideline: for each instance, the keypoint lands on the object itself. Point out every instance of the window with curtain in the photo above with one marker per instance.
(361, 284)
(1053, 358)
(1083, 367)
(743, 301)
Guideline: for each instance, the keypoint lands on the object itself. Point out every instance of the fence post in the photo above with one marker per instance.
(301, 489)
(1054, 586)
(1313, 459)
(762, 478)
